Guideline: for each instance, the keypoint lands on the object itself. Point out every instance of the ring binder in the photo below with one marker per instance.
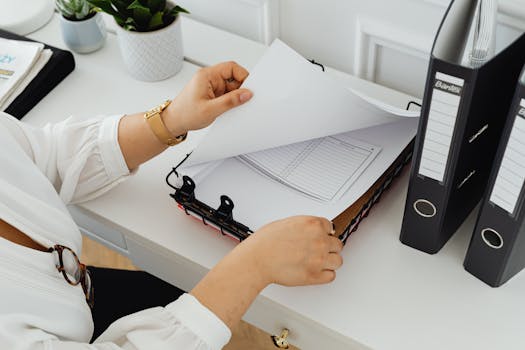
(497, 246)
(312, 61)
(222, 219)
(459, 129)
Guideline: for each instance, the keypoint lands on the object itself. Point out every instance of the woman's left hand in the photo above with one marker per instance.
(211, 92)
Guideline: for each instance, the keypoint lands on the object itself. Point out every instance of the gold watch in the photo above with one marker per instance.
(159, 128)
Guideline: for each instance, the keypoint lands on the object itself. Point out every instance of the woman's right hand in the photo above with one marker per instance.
(295, 251)
(292, 252)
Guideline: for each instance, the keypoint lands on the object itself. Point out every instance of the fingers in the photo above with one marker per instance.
(226, 77)
(227, 101)
(231, 71)
(326, 225)
(326, 276)
(335, 245)
(333, 261)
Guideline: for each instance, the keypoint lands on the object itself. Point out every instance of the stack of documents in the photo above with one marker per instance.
(20, 62)
(484, 44)
(305, 144)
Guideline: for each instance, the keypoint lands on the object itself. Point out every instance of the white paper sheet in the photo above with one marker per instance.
(16, 60)
(293, 101)
(42, 60)
(259, 199)
(323, 168)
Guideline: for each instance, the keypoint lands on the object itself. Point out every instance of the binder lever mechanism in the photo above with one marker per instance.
(220, 219)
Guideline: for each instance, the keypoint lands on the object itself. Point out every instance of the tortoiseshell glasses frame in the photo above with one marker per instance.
(75, 272)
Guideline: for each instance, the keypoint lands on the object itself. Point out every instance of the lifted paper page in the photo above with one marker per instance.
(293, 101)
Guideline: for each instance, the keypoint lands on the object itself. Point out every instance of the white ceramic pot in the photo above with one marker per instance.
(152, 56)
(84, 36)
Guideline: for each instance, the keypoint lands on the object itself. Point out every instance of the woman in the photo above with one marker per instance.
(73, 161)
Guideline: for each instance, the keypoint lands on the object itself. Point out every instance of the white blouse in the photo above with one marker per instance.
(41, 170)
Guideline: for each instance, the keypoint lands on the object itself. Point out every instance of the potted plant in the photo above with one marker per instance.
(83, 29)
(149, 35)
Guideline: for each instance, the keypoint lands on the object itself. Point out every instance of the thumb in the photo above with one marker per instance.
(229, 100)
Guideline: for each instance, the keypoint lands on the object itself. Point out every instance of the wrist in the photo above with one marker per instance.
(231, 286)
(253, 261)
(171, 119)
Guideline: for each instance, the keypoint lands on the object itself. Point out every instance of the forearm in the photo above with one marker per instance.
(212, 91)
(231, 286)
(137, 141)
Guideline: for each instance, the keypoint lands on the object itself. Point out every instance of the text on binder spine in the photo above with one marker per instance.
(511, 173)
(444, 106)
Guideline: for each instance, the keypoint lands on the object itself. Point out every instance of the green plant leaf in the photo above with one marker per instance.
(176, 10)
(156, 5)
(141, 14)
(137, 5)
(106, 6)
(156, 21)
(122, 7)
(129, 24)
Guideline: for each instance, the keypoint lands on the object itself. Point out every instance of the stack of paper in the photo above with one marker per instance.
(20, 62)
(483, 46)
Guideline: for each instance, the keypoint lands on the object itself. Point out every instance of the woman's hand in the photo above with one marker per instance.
(294, 251)
(211, 92)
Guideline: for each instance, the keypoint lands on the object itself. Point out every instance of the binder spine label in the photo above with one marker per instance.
(444, 106)
(511, 174)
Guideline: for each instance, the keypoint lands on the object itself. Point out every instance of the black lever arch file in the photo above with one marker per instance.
(56, 69)
(497, 248)
(462, 119)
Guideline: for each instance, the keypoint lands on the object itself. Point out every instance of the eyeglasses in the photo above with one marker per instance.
(74, 271)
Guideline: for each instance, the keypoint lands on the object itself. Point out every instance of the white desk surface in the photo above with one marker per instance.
(386, 295)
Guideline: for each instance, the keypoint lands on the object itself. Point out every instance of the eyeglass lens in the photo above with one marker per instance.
(71, 266)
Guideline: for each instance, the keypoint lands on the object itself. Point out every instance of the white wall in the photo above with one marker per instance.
(385, 41)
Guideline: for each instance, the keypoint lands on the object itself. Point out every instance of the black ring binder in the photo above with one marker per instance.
(312, 61)
(222, 218)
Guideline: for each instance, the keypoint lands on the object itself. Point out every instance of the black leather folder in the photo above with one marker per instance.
(56, 69)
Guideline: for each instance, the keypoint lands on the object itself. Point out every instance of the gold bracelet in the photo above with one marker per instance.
(159, 128)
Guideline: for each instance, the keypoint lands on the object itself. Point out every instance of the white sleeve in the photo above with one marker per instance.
(185, 324)
(81, 158)
(191, 326)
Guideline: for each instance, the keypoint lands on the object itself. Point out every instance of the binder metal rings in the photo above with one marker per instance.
(492, 238)
(425, 208)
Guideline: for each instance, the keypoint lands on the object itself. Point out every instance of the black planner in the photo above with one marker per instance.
(56, 69)
(497, 248)
(462, 119)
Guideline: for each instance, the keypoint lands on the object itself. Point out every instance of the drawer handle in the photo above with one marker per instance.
(280, 340)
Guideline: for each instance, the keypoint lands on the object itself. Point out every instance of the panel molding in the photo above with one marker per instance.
(269, 19)
(372, 34)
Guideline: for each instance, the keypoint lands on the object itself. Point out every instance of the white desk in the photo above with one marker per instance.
(386, 296)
